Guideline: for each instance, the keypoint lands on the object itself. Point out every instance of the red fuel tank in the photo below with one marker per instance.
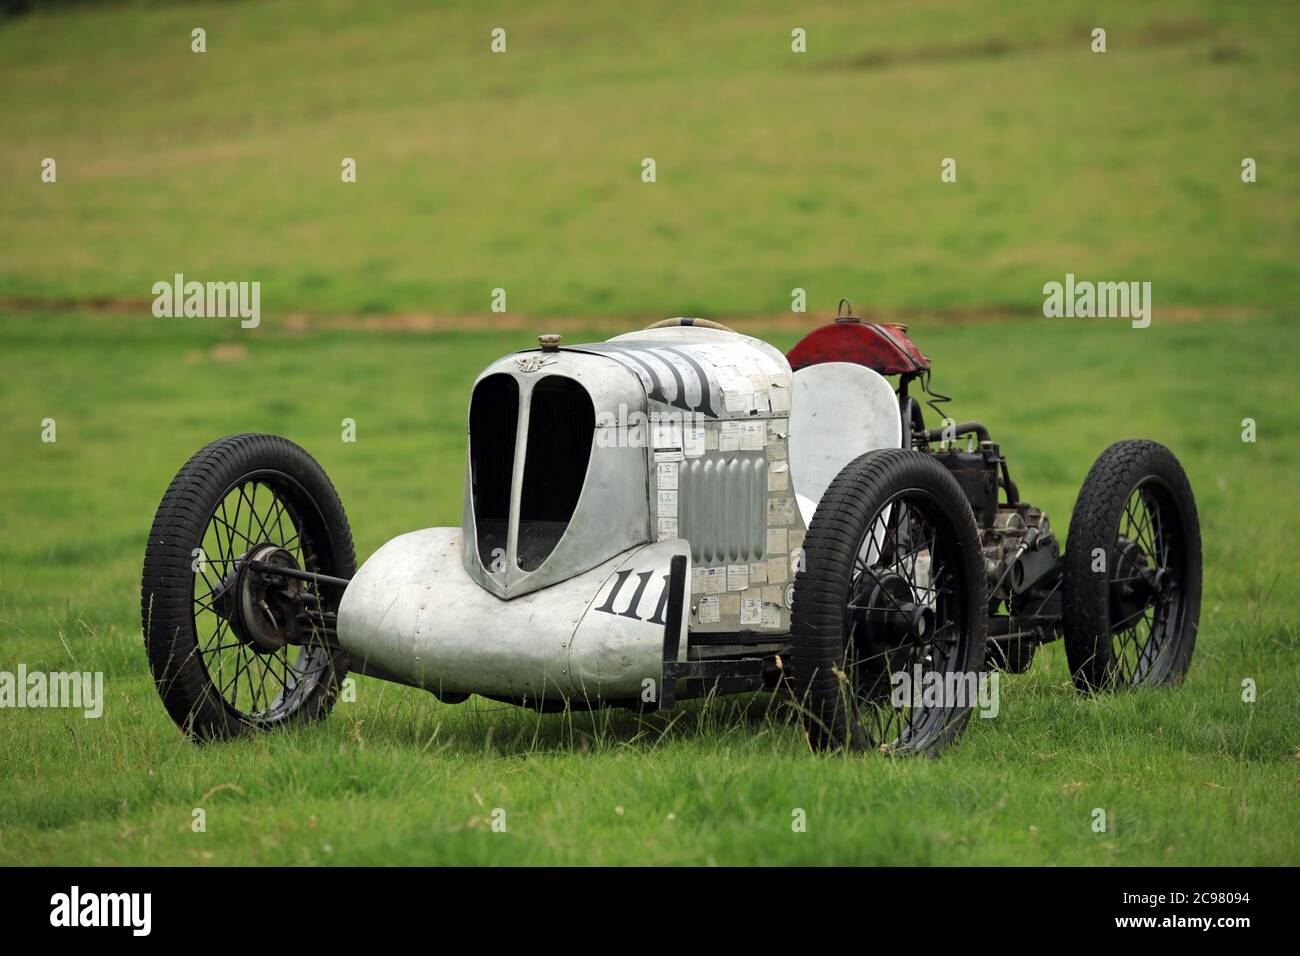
(882, 348)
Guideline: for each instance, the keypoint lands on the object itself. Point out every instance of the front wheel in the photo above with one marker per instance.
(1132, 582)
(232, 646)
(889, 616)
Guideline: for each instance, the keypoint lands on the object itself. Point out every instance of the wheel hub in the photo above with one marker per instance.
(892, 616)
(262, 607)
(1137, 583)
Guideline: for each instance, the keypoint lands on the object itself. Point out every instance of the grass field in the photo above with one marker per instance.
(521, 171)
(1192, 775)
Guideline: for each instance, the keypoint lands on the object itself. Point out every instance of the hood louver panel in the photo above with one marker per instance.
(723, 509)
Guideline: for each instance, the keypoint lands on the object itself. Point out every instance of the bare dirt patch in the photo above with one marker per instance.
(302, 322)
(1156, 33)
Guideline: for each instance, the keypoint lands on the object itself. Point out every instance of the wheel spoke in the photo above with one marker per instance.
(887, 576)
(259, 684)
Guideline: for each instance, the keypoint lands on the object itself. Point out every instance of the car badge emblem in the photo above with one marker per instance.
(533, 363)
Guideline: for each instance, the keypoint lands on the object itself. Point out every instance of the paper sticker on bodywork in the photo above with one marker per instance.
(729, 436)
(778, 476)
(738, 401)
(780, 398)
(694, 441)
(715, 581)
(780, 510)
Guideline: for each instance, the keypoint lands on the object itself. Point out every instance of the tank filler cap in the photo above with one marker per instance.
(549, 342)
(844, 312)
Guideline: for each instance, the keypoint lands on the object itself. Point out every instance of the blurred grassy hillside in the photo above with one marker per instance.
(775, 169)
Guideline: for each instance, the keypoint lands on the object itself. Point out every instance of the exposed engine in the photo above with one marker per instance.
(1021, 552)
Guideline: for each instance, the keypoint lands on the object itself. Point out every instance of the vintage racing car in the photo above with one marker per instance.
(672, 513)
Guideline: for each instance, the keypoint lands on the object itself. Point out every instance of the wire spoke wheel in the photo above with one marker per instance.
(234, 645)
(887, 623)
(1132, 585)
(1146, 566)
(904, 580)
(262, 680)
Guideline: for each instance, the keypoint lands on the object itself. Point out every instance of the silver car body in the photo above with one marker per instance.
(589, 468)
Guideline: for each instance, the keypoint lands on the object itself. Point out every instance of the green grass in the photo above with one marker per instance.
(521, 171)
(1188, 775)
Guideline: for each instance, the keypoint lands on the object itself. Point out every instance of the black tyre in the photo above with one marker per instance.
(1132, 584)
(232, 649)
(892, 583)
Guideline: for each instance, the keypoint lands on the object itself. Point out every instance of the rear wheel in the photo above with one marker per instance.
(1132, 584)
(889, 606)
(232, 648)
